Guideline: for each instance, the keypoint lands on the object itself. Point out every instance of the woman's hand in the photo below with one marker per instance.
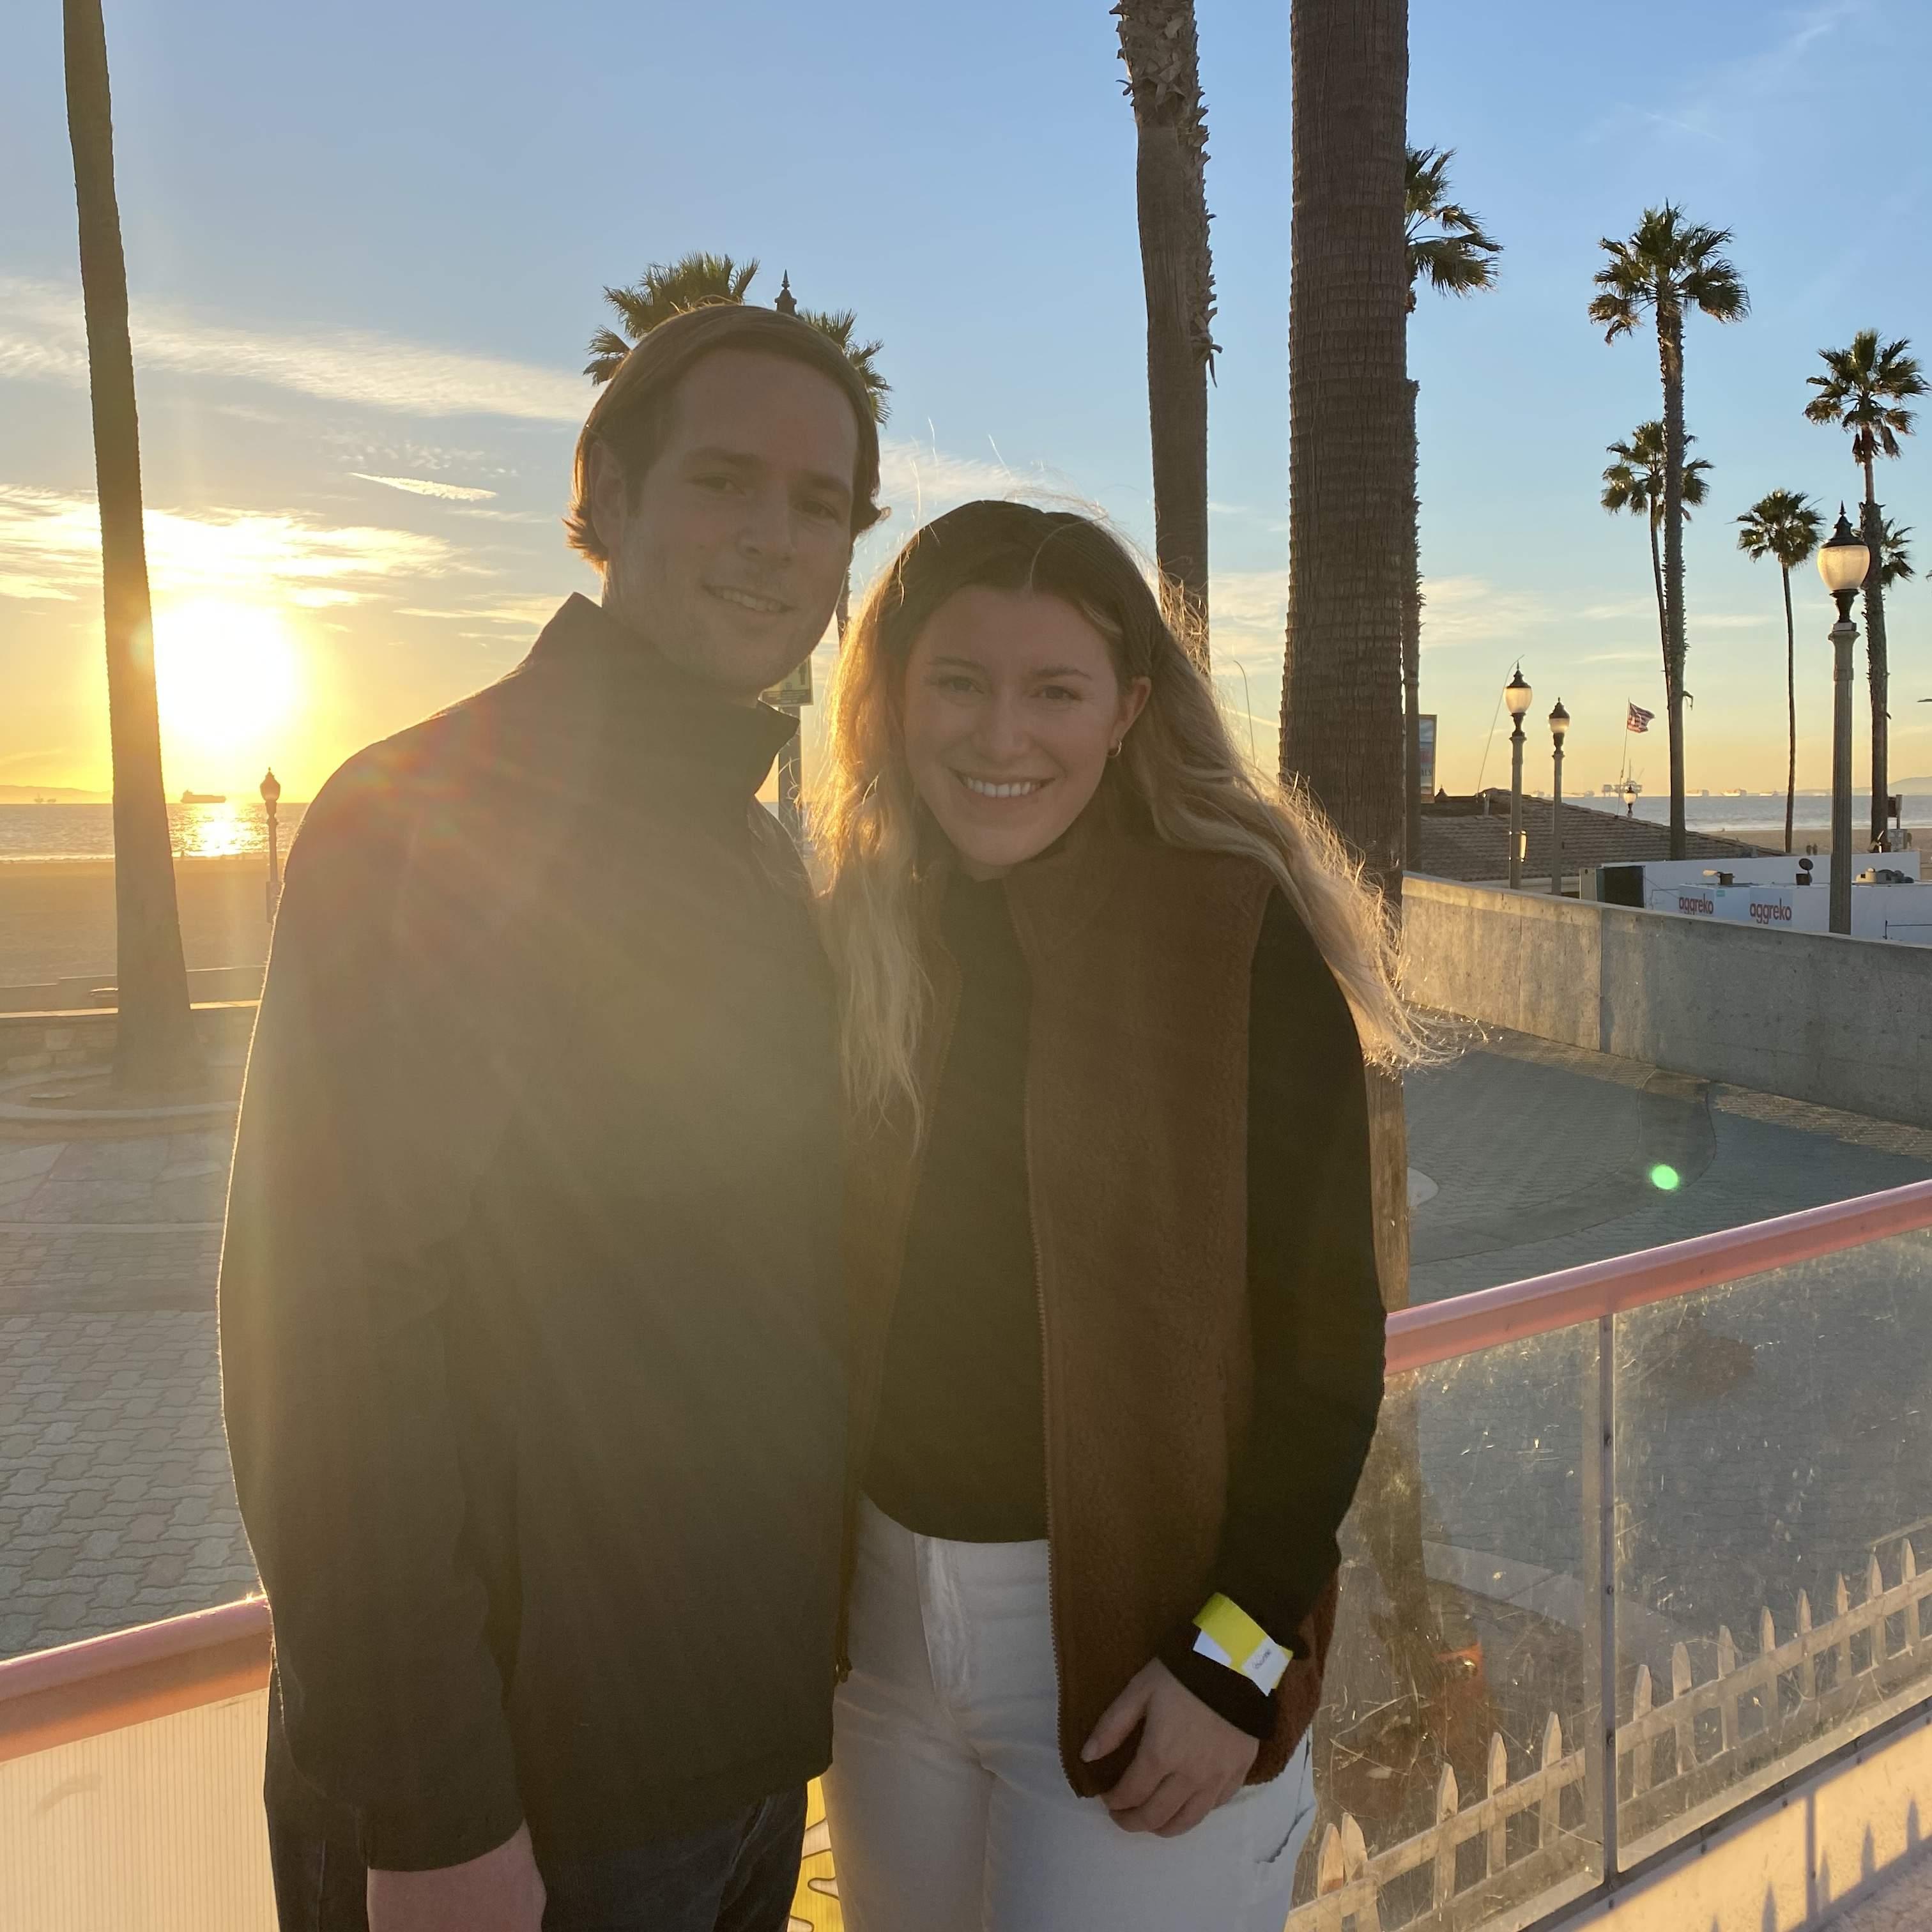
(1191, 1759)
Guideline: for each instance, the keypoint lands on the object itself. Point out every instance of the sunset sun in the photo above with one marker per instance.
(228, 676)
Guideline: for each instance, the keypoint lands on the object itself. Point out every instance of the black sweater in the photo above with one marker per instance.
(531, 1334)
(959, 1448)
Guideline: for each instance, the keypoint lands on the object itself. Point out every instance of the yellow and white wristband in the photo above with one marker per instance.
(1229, 1636)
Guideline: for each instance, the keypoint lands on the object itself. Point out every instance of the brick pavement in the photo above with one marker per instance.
(1543, 1156)
(116, 1503)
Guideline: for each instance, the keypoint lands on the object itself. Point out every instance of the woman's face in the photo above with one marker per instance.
(1011, 707)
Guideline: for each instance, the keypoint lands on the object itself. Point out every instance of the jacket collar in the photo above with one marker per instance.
(652, 716)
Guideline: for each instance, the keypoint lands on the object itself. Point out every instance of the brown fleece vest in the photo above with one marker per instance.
(1140, 956)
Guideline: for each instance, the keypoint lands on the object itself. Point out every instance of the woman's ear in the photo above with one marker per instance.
(1134, 695)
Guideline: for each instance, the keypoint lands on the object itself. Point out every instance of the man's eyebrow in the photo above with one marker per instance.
(740, 459)
(838, 486)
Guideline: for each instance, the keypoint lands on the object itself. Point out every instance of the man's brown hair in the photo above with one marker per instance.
(631, 416)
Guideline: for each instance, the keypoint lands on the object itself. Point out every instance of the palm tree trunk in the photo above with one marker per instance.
(1670, 358)
(1158, 43)
(155, 1049)
(1790, 705)
(1351, 582)
(1877, 669)
(1412, 659)
(1663, 605)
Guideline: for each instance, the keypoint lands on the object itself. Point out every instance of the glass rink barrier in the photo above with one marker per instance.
(1690, 1488)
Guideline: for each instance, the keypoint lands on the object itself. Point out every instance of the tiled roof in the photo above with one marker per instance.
(1459, 845)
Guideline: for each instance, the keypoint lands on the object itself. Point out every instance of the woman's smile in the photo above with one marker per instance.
(1002, 790)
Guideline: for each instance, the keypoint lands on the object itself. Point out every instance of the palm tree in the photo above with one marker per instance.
(1448, 250)
(155, 1050)
(1634, 481)
(1667, 268)
(1159, 44)
(1864, 389)
(1352, 578)
(665, 288)
(1784, 524)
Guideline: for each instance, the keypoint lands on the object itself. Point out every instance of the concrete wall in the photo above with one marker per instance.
(1843, 1022)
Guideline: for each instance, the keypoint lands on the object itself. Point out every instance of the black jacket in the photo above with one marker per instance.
(530, 1312)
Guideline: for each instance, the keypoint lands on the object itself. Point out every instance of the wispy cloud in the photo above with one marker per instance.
(41, 335)
(1458, 610)
(50, 549)
(1249, 600)
(424, 486)
(1725, 104)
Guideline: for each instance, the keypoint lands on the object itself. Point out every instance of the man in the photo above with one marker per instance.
(529, 1309)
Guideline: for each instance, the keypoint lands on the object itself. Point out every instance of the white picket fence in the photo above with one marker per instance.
(1799, 1690)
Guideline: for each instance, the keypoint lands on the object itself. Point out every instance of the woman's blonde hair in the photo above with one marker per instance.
(1177, 762)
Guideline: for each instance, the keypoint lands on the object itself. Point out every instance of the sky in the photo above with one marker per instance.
(366, 244)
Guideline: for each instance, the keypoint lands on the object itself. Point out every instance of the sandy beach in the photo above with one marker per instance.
(57, 916)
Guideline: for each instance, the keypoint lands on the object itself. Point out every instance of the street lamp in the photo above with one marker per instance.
(1559, 723)
(272, 793)
(1843, 560)
(1630, 798)
(1517, 694)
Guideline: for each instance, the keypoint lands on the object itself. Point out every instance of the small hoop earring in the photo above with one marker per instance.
(1115, 751)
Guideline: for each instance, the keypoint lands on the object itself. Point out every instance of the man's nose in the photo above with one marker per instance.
(767, 531)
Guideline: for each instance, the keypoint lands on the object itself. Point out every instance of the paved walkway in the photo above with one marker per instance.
(1545, 1156)
(115, 1504)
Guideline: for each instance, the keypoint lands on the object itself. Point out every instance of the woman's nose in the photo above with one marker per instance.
(1002, 732)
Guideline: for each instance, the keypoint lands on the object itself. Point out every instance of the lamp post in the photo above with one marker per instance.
(1843, 561)
(1517, 694)
(1630, 799)
(1559, 723)
(272, 793)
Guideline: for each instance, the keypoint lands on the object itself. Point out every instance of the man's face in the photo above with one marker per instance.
(729, 562)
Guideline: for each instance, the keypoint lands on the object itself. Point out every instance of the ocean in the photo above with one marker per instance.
(40, 832)
(29, 832)
(1761, 811)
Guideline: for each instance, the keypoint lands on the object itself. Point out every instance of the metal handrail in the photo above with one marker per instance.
(1465, 1324)
(106, 1683)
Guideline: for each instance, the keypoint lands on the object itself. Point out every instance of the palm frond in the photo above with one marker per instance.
(1784, 524)
(607, 349)
(840, 324)
(1448, 248)
(1864, 389)
(1894, 558)
(1666, 263)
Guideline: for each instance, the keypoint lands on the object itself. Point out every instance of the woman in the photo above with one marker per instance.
(1116, 1330)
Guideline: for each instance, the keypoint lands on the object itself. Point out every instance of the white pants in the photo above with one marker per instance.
(948, 1809)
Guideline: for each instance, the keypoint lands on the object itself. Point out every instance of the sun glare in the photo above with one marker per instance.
(228, 676)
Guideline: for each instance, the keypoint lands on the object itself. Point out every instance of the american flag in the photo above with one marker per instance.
(1638, 719)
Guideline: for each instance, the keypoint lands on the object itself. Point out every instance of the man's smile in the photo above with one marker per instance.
(749, 600)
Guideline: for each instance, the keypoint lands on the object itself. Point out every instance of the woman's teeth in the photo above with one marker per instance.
(985, 788)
